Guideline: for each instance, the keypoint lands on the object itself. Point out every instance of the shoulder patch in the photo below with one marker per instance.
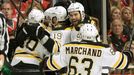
(112, 51)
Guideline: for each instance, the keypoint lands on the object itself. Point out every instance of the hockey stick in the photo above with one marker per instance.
(131, 38)
(19, 14)
(18, 10)
(128, 44)
(29, 10)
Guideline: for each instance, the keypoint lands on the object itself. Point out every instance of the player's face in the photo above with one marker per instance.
(75, 17)
(54, 20)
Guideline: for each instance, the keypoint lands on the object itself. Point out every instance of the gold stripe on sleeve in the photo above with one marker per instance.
(124, 63)
(49, 65)
(56, 65)
(118, 61)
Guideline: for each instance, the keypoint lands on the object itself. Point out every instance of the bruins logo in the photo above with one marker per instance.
(112, 51)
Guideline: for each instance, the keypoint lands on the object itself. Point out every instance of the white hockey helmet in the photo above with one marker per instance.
(77, 7)
(35, 16)
(58, 11)
(47, 13)
(89, 32)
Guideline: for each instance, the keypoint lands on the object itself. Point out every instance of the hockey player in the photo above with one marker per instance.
(57, 16)
(35, 43)
(88, 56)
(77, 16)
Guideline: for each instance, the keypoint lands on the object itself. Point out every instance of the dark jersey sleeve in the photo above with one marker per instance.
(38, 32)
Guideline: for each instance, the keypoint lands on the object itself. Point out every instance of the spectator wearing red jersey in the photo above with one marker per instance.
(46, 4)
(43, 4)
(23, 9)
(121, 3)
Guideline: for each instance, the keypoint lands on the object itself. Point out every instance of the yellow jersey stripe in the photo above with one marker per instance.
(56, 65)
(70, 28)
(19, 51)
(49, 65)
(118, 61)
(28, 56)
(55, 48)
(124, 62)
(84, 45)
(64, 74)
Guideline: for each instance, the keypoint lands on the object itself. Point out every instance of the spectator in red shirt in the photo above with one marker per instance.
(44, 3)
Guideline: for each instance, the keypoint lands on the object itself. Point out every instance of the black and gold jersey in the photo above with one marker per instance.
(87, 58)
(87, 19)
(35, 44)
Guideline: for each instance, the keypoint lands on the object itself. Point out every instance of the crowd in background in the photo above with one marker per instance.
(120, 23)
